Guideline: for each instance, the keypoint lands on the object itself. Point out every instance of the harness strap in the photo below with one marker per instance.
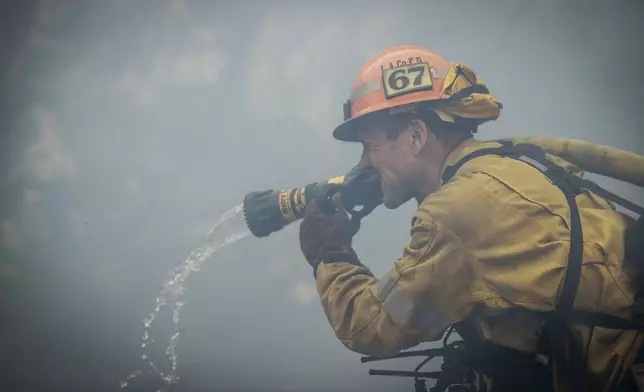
(569, 362)
(571, 186)
(536, 157)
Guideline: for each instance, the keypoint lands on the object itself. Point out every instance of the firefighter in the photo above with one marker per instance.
(493, 242)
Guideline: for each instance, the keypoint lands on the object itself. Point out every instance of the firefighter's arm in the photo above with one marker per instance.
(428, 289)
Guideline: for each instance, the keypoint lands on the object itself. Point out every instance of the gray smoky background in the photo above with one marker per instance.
(128, 127)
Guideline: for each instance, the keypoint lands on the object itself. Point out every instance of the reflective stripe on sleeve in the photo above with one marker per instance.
(403, 311)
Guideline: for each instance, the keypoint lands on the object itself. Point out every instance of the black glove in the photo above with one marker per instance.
(326, 237)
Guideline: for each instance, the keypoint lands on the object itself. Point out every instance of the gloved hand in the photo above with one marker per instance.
(326, 237)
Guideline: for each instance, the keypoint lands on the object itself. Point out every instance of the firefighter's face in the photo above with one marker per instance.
(396, 159)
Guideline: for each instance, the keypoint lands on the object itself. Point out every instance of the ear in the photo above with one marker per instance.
(418, 134)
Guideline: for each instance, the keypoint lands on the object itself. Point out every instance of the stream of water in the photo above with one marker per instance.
(229, 228)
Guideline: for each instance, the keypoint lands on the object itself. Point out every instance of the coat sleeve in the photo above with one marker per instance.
(428, 289)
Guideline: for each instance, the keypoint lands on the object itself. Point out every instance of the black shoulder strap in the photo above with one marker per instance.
(570, 361)
(536, 157)
(571, 185)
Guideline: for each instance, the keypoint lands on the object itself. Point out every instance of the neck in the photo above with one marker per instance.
(430, 178)
(429, 182)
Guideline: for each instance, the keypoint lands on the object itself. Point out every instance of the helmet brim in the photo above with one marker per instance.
(348, 130)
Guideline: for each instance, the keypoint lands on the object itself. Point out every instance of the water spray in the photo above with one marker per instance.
(260, 214)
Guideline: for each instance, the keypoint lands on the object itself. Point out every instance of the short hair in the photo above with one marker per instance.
(444, 131)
